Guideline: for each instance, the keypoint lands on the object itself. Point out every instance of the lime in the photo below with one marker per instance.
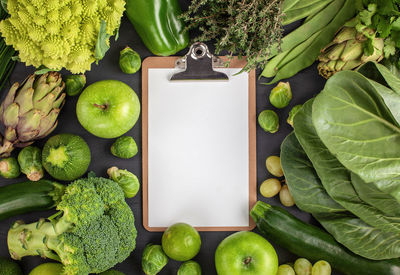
(181, 242)
(47, 269)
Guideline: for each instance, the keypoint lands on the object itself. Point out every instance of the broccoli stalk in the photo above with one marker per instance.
(39, 238)
(93, 231)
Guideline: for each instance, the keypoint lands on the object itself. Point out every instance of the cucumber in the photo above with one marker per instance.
(314, 244)
(23, 197)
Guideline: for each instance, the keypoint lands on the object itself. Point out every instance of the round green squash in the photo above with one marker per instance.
(9, 267)
(66, 157)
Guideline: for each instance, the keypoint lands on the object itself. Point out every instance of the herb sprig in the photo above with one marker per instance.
(243, 27)
(383, 16)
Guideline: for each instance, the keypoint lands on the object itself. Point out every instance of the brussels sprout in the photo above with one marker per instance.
(321, 268)
(269, 121)
(124, 147)
(129, 61)
(302, 267)
(281, 95)
(292, 113)
(126, 180)
(189, 268)
(30, 161)
(273, 164)
(285, 269)
(74, 84)
(9, 168)
(153, 259)
(270, 188)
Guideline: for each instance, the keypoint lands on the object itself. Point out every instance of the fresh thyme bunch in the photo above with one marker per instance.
(243, 27)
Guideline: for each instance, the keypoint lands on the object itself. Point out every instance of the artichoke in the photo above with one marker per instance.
(346, 51)
(30, 110)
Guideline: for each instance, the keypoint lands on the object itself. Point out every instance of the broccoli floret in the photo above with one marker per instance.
(93, 230)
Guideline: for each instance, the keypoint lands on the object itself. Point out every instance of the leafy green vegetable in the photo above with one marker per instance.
(381, 74)
(341, 164)
(310, 196)
(334, 176)
(370, 194)
(43, 70)
(354, 123)
(102, 43)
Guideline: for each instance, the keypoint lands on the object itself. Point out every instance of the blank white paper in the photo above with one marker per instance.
(198, 151)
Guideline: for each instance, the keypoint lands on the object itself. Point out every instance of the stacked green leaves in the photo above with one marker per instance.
(342, 163)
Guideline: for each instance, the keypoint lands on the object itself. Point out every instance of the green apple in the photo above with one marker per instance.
(246, 253)
(108, 108)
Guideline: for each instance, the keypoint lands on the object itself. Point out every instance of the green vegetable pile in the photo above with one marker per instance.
(370, 36)
(301, 47)
(93, 230)
(342, 161)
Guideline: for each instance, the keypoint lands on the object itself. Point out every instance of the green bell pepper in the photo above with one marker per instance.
(158, 25)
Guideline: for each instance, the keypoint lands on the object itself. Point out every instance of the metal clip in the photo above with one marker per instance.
(198, 64)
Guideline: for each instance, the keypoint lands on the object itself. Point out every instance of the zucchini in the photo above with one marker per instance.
(23, 197)
(314, 244)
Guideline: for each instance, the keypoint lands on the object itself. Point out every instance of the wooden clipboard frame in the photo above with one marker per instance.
(169, 62)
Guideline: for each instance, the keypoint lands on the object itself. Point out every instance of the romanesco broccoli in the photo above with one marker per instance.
(93, 231)
(59, 34)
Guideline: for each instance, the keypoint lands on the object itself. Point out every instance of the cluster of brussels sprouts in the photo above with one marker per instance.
(279, 97)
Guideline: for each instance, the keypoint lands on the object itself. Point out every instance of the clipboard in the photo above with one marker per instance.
(199, 165)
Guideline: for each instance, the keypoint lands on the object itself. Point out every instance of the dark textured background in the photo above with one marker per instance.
(304, 86)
